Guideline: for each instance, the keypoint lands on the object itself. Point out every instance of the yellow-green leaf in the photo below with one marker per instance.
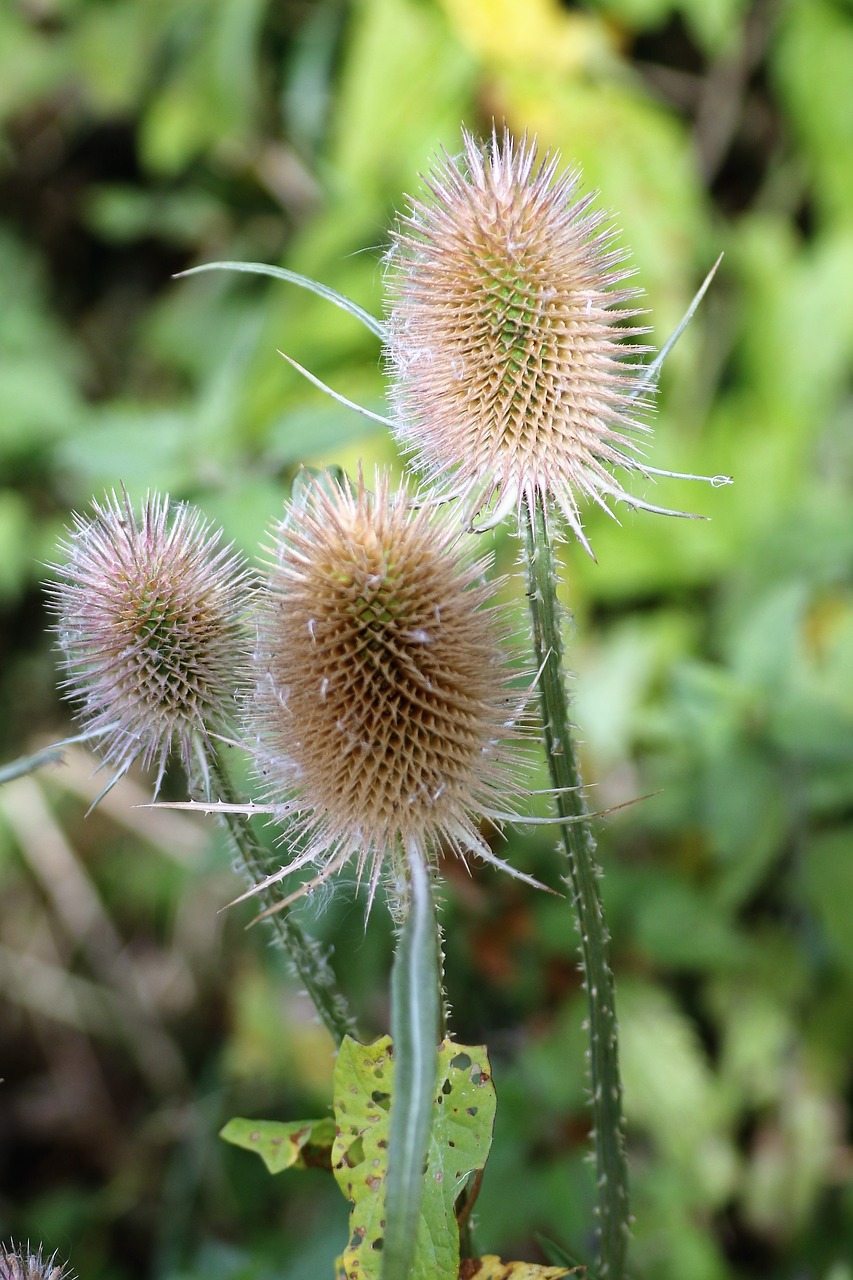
(490, 1267)
(298, 1145)
(459, 1144)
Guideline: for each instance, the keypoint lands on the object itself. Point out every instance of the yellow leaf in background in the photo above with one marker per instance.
(536, 33)
(490, 1267)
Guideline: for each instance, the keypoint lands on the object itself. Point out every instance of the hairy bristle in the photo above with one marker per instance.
(382, 707)
(511, 345)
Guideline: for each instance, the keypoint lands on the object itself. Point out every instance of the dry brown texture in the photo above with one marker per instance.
(382, 700)
(508, 369)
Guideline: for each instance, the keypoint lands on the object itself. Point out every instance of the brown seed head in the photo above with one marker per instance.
(508, 335)
(382, 708)
(149, 620)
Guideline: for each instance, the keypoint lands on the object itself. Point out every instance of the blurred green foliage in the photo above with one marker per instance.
(714, 659)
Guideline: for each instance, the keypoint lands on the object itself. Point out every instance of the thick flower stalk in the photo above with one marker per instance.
(512, 338)
(19, 1263)
(384, 715)
(149, 618)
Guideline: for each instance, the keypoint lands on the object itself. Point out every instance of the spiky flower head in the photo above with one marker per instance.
(512, 336)
(383, 710)
(19, 1263)
(149, 618)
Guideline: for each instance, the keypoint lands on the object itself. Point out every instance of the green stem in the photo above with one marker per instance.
(582, 879)
(305, 955)
(416, 1002)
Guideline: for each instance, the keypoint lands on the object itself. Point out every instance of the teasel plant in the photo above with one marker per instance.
(383, 709)
(388, 719)
(382, 706)
(517, 386)
(152, 623)
(520, 387)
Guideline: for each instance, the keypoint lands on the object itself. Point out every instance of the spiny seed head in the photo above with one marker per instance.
(149, 621)
(19, 1263)
(509, 332)
(382, 712)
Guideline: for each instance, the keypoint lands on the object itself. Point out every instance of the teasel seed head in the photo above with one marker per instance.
(512, 336)
(19, 1263)
(149, 618)
(384, 715)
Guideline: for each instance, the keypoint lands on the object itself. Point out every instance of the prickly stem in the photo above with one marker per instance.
(582, 879)
(304, 954)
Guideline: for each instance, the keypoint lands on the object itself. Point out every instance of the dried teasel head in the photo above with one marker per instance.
(512, 340)
(149, 619)
(384, 707)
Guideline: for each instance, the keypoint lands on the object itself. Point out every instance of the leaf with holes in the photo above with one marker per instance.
(302, 1144)
(459, 1144)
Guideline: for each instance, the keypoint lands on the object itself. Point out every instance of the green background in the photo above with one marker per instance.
(713, 659)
